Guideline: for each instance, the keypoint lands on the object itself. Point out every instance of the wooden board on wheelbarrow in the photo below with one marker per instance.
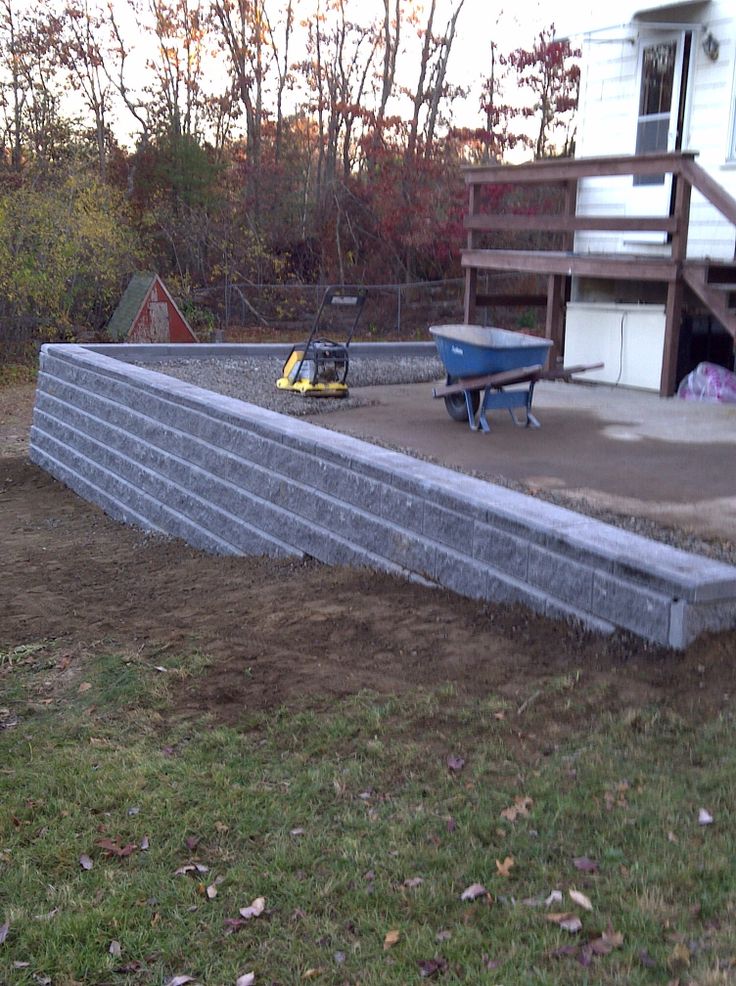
(524, 374)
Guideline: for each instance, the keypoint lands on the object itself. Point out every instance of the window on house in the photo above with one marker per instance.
(655, 103)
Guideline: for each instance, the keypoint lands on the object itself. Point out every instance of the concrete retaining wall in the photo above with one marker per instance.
(234, 478)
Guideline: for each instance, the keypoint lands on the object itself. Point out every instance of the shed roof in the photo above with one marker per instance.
(130, 304)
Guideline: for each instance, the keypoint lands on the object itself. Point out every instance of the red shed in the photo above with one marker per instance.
(148, 313)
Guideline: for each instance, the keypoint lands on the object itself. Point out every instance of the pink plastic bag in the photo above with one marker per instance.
(710, 383)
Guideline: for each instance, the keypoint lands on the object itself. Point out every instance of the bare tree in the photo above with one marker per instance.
(80, 50)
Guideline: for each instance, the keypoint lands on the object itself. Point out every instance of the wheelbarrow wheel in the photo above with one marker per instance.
(457, 408)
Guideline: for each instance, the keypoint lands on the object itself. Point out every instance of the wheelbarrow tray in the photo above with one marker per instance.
(476, 351)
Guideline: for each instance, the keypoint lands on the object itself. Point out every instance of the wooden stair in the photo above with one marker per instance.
(715, 285)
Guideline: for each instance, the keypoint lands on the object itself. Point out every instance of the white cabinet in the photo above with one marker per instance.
(628, 339)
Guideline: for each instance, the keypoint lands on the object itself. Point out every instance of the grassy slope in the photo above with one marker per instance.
(367, 791)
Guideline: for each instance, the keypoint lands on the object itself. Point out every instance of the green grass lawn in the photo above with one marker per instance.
(358, 836)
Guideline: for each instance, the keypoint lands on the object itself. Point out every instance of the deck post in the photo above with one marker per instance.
(555, 324)
(471, 273)
(675, 288)
(672, 324)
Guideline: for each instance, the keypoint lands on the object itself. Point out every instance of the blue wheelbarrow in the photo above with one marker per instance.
(481, 364)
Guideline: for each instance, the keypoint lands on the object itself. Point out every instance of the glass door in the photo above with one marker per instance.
(663, 73)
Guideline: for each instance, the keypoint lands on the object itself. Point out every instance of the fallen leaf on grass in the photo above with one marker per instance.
(554, 898)
(115, 949)
(254, 909)
(455, 763)
(606, 943)
(474, 891)
(297, 832)
(504, 868)
(145, 843)
(564, 951)
(84, 687)
(192, 841)
(391, 938)
(85, 862)
(581, 900)
(520, 808)
(246, 980)
(211, 892)
(616, 798)
(680, 956)
(413, 882)
(47, 917)
(704, 817)
(585, 864)
(21, 965)
(128, 968)
(191, 868)
(565, 920)
(443, 935)
(585, 956)
(433, 967)
(113, 848)
(4, 929)
(671, 837)
(179, 980)
(572, 924)
(312, 973)
(221, 827)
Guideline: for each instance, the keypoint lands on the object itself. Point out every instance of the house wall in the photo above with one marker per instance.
(607, 125)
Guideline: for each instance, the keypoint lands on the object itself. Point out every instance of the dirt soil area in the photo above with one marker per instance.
(301, 634)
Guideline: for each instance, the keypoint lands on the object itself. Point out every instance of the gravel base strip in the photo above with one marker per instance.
(254, 380)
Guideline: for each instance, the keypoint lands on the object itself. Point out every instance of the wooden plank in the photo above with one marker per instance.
(673, 323)
(525, 374)
(564, 169)
(571, 224)
(471, 275)
(510, 300)
(565, 372)
(709, 187)
(585, 265)
(555, 321)
(569, 207)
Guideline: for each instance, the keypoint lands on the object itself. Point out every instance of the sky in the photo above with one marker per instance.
(511, 24)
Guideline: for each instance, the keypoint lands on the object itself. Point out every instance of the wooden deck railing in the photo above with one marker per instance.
(559, 265)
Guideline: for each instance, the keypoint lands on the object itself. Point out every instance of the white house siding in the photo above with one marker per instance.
(607, 125)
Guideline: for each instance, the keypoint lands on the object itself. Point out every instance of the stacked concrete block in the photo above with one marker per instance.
(230, 477)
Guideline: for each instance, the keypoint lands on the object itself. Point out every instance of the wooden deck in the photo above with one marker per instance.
(712, 285)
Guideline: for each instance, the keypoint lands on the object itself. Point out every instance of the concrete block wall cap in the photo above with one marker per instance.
(694, 577)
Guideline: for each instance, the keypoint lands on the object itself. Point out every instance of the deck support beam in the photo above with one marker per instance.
(555, 324)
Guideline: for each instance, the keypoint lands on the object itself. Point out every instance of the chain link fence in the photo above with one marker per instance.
(400, 310)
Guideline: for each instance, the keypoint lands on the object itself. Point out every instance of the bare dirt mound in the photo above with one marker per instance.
(299, 634)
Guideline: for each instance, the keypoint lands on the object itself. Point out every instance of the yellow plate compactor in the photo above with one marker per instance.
(319, 366)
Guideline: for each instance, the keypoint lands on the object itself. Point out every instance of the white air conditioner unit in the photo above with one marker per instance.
(627, 339)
